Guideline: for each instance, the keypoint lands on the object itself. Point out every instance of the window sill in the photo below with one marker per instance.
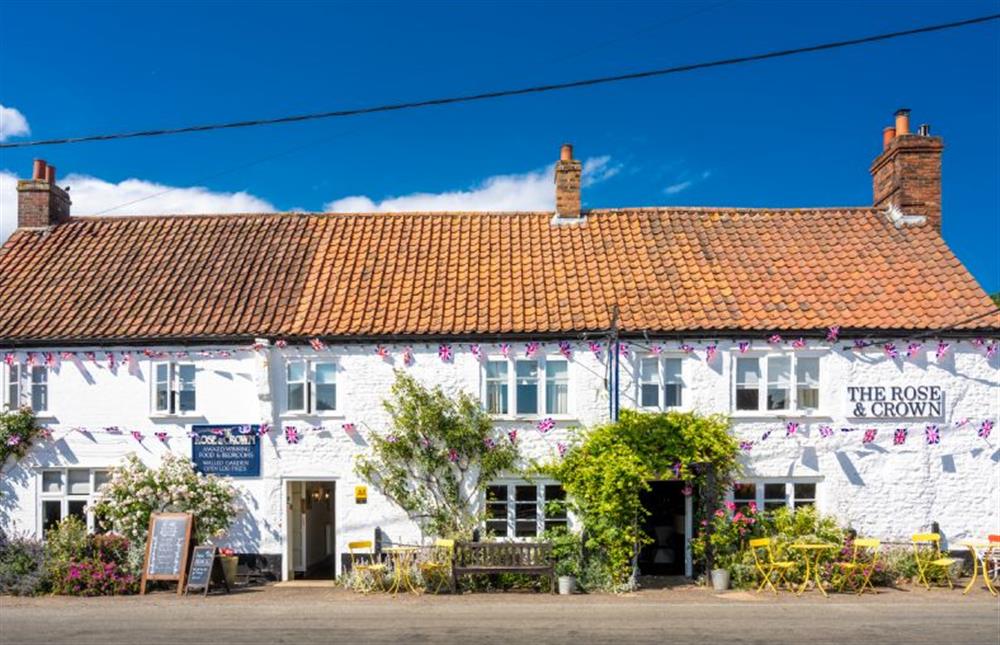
(773, 415)
(176, 416)
(333, 414)
(534, 418)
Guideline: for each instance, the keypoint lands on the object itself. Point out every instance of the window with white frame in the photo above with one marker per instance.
(524, 510)
(526, 386)
(777, 383)
(310, 386)
(770, 494)
(661, 382)
(69, 492)
(174, 389)
(27, 385)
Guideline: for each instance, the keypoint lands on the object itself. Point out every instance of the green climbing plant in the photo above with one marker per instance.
(608, 468)
(18, 431)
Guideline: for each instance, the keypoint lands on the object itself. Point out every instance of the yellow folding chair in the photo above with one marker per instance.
(769, 567)
(437, 568)
(364, 563)
(864, 557)
(927, 553)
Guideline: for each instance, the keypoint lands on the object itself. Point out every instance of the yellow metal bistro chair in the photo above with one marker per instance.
(769, 567)
(437, 568)
(927, 553)
(364, 563)
(864, 557)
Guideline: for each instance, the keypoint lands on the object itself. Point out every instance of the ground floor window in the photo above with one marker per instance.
(769, 494)
(69, 491)
(523, 510)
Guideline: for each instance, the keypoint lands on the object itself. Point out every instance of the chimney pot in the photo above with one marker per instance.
(902, 121)
(38, 169)
(40, 203)
(566, 152)
(887, 136)
(50, 174)
(568, 173)
(925, 130)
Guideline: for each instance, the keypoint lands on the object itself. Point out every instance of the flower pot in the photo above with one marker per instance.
(229, 568)
(567, 585)
(720, 579)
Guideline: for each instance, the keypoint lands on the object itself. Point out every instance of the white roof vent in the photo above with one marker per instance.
(899, 219)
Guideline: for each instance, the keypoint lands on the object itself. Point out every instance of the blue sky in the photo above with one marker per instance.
(793, 132)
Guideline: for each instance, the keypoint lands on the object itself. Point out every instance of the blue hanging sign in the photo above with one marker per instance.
(226, 450)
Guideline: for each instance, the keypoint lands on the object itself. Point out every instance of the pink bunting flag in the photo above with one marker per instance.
(623, 349)
(985, 429)
(687, 349)
(222, 353)
(281, 343)
(764, 436)
(113, 430)
(744, 346)
(933, 434)
(45, 433)
(791, 428)
(9, 358)
(746, 446)
(978, 342)
(566, 349)
(710, 352)
(67, 356)
(476, 351)
(489, 443)
(161, 435)
(913, 350)
(50, 359)
(991, 350)
(531, 349)
(774, 339)
(110, 357)
(348, 428)
(832, 334)
(512, 435)
(257, 347)
(859, 344)
(656, 350)
(890, 350)
(942, 349)
(30, 360)
(138, 436)
(826, 432)
(561, 448)
(292, 434)
(595, 348)
(546, 424)
(445, 353)
(381, 351)
(504, 349)
(91, 356)
(317, 344)
(799, 343)
(870, 434)
(407, 356)
(263, 429)
(899, 437)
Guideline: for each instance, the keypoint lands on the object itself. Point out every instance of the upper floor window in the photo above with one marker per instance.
(27, 385)
(174, 390)
(771, 494)
(524, 510)
(778, 382)
(310, 386)
(534, 386)
(660, 382)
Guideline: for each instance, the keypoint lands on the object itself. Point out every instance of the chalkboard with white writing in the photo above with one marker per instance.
(205, 570)
(167, 546)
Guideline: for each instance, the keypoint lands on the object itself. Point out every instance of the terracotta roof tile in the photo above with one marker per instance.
(369, 275)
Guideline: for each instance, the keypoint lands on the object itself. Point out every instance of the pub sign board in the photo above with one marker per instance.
(226, 450)
(896, 401)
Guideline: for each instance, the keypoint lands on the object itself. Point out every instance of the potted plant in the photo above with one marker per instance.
(724, 533)
(229, 561)
(566, 553)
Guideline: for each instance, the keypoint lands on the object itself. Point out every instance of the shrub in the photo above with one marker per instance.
(22, 565)
(136, 491)
(88, 565)
(18, 430)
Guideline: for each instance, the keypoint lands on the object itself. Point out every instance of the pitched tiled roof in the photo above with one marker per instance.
(366, 275)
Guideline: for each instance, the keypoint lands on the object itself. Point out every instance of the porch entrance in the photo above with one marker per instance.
(669, 526)
(311, 530)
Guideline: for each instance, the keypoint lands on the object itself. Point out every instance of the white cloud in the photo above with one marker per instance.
(12, 123)
(91, 196)
(531, 191)
(681, 186)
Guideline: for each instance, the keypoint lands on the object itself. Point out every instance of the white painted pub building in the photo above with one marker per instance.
(854, 353)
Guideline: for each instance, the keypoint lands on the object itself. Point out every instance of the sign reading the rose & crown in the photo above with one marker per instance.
(896, 401)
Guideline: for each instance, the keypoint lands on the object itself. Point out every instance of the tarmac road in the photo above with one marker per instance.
(280, 615)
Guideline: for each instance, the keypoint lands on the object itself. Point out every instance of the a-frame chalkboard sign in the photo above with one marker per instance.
(206, 570)
(167, 547)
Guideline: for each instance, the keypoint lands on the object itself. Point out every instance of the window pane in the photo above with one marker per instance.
(672, 395)
(496, 387)
(185, 386)
(779, 374)
(326, 388)
(555, 513)
(526, 493)
(39, 388)
(296, 371)
(649, 395)
(526, 511)
(556, 387)
(774, 492)
(496, 510)
(747, 384)
(52, 481)
(79, 481)
(647, 370)
(296, 396)
(649, 383)
(672, 370)
(743, 494)
(77, 508)
(527, 386)
(326, 373)
(807, 380)
(51, 514)
(805, 494)
(101, 477)
(162, 373)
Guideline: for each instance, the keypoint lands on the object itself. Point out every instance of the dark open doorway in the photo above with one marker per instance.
(665, 525)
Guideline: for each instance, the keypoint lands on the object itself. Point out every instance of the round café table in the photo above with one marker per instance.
(979, 549)
(812, 552)
(404, 559)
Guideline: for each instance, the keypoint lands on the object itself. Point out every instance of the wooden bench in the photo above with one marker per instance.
(528, 558)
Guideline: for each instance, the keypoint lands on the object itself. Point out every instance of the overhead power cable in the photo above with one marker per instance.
(535, 89)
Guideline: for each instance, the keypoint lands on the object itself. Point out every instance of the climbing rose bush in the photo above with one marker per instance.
(136, 491)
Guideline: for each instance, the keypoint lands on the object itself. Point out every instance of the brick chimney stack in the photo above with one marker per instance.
(568, 171)
(907, 173)
(40, 202)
